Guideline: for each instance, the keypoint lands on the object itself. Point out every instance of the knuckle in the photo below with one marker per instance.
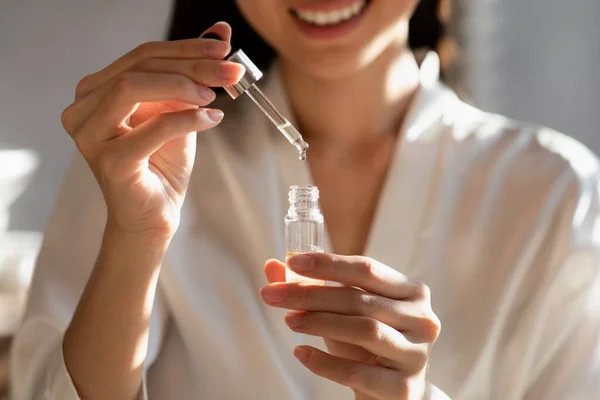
(165, 122)
(65, 119)
(189, 120)
(83, 86)
(182, 48)
(371, 329)
(198, 119)
(369, 267)
(144, 49)
(430, 326)
(435, 327)
(144, 64)
(359, 302)
(421, 290)
(124, 83)
(185, 47)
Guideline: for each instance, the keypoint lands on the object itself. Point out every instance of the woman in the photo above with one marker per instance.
(497, 220)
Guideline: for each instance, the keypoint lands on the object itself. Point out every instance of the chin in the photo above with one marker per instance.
(330, 66)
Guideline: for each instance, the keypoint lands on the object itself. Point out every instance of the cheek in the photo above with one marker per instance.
(263, 15)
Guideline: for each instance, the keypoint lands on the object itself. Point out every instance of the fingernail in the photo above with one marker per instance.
(273, 294)
(206, 93)
(211, 35)
(216, 49)
(215, 115)
(296, 319)
(301, 263)
(302, 354)
(227, 70)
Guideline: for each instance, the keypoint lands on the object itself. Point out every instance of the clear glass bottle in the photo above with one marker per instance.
(304, 229)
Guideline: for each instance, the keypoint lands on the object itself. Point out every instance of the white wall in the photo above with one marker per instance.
(45, 47)
(535, 60)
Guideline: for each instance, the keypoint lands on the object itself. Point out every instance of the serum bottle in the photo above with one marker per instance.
(304, 228)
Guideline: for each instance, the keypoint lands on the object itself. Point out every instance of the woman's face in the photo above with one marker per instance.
(330, 38)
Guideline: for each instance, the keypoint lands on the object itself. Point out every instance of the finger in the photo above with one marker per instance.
(179, 49)
(221, 29)
(361, 272)
(274, 271)
(114, 102)
(368, 333)
(151, 135)
(408, 317)
(127, 152)
(349, 351)
(214, 73)
(374, 381)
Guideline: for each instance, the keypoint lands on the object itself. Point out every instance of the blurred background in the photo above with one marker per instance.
(532, 60)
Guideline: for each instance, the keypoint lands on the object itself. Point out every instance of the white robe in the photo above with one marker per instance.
(500, 219)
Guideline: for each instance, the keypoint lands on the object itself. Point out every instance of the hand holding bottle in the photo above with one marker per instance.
(135, 123)
(379, 328)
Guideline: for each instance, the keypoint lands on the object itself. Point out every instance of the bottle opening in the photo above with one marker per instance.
(304, 201)
(308, 193)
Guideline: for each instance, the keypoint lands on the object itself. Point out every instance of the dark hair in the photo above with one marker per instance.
(192, 17)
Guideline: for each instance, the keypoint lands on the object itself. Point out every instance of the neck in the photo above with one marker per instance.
(361, 108)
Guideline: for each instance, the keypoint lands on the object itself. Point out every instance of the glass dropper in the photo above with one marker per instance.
(248, 85)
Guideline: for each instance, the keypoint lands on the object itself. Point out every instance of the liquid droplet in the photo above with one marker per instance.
(302, 147)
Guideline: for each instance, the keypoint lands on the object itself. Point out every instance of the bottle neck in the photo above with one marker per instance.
(304, 202)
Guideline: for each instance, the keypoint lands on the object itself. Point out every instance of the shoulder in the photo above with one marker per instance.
(528, 159)
(531, 193)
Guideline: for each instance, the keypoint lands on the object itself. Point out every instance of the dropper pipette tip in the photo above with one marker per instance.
(302, 147)
(247, 85)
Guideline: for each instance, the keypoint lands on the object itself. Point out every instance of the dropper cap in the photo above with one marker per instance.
(252, 75)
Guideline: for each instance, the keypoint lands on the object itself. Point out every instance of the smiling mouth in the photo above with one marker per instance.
(333, 17)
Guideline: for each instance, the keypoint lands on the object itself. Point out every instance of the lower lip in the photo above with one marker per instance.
(330, 31)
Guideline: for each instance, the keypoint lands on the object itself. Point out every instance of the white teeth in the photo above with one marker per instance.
(347, 13)
(321, 19)
(308, 16)
(333, 17)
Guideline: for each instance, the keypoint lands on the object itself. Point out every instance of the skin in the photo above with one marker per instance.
(131, 121)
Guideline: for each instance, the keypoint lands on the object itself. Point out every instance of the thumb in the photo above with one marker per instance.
(275, 271)
(219, 31)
